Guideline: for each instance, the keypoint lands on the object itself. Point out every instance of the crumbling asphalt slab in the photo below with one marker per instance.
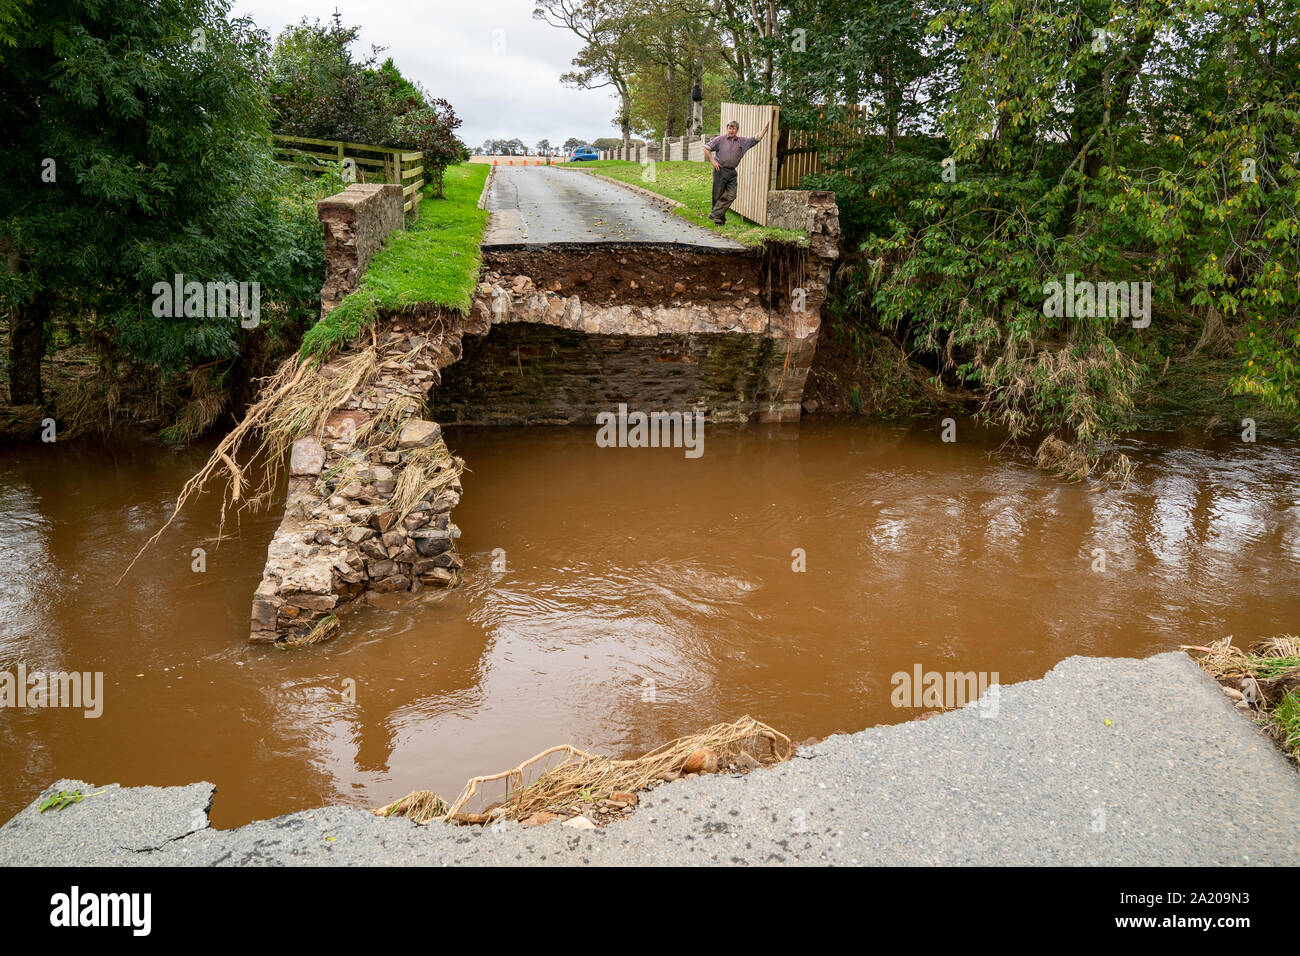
(1177, 777)
(113, 825)
(543, 205)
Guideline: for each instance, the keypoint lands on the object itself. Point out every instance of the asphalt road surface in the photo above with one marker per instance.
(544, 205)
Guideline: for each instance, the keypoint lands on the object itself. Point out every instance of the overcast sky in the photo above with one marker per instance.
(450, 47)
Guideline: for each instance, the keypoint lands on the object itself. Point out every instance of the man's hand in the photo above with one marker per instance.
(764, 130)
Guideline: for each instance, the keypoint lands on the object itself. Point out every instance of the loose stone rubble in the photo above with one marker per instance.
(342, 537)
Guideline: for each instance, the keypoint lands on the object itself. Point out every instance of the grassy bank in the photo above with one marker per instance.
(690, 184)
(434, 262)
(1263, 681)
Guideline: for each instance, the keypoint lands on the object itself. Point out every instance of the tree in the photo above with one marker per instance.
(406, 94)
(318, 90)
(135, 148)
(573, 143)
(677, 46)
(1151, 143)
(606, 29)
(745, 33)
(432, 129)
(12, 19)
(979, 150)
(653, 53)
(543, 147)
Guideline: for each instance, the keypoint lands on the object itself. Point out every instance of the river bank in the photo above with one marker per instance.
(1104, 761)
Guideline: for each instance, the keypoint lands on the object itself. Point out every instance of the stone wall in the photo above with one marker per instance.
(357, 222)
(683, 148)
(810, 210)
(526, 374)
(635, 154)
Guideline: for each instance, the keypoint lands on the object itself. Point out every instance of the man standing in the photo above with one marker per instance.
(725, 152)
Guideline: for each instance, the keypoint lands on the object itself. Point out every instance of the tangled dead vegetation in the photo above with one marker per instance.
(321, 630)
(297, 400)
(581, 782)
(1072, 462)
(268, 428)
(1263, 681)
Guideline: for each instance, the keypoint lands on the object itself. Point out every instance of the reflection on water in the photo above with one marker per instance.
(644, 595)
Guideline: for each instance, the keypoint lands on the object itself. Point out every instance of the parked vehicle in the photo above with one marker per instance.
(583, 153)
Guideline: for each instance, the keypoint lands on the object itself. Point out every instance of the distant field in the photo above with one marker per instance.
(518, 160)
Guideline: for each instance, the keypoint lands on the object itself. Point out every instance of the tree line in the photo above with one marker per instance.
(981, 150)
(517, 147)
(137, 148)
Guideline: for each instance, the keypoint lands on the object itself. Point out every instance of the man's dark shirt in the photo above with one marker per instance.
(728, 152)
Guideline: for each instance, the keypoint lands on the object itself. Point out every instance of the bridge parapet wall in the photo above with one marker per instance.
(357, 222)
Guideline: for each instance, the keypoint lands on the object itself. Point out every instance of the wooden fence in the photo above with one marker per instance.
(797, 155)
(800, 152)
(757, 171)
(374, 164)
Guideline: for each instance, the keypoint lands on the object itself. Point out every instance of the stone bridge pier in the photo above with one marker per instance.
(368, 510)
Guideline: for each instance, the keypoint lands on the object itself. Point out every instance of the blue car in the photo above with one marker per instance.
(584, 153)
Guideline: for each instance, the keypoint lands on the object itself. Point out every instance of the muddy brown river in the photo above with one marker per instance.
(644, 595)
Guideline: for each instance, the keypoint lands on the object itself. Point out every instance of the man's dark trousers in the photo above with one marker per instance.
(724, 193)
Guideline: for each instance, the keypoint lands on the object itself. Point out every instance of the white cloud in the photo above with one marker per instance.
(449, 48)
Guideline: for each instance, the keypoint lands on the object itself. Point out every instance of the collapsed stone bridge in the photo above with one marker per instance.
(556, 334)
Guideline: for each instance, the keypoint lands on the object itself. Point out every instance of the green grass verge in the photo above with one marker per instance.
(434, 262)
(1287, 715)
(691, 184)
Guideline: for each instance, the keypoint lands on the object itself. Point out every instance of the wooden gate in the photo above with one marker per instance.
(757, 171)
